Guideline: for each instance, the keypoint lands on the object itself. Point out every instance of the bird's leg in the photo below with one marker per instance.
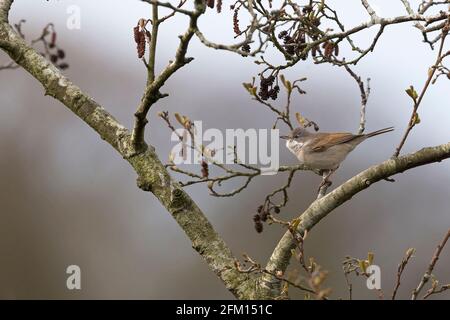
(326, 174)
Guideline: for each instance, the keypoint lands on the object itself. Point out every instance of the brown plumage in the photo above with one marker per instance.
(325, 150)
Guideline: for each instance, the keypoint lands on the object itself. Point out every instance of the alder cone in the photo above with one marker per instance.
(259, 227)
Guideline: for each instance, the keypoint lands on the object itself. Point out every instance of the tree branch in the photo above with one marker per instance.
(426, 277)
(152, 93)
(414, 115)
(320, 208)
(152, 175)
(401, 267)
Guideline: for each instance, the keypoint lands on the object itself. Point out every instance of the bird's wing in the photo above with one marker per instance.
(326, 140)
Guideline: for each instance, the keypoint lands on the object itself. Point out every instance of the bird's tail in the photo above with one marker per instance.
(381, 131)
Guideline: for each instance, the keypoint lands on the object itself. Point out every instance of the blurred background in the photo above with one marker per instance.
(66, 197)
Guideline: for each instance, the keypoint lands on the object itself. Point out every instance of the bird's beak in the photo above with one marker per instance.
(284, 137)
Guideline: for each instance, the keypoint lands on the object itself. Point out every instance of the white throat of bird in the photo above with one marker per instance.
(294, 146)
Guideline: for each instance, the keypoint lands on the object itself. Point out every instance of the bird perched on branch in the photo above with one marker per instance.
(324, 150)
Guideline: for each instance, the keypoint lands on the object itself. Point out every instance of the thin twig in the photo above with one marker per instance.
(426, 277)
(401, 268)
(414, 115)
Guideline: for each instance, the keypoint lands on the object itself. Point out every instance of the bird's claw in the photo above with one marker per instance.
(325, 183)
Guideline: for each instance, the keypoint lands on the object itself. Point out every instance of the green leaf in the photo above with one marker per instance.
(295, 223)
(293, 252)
(370, 257)
(300, 119)
(250, 88)
(412, 93)
(179, 118)
(363, 265)
(286, 83)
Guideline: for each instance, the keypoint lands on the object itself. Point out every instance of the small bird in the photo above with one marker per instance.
(324, 150)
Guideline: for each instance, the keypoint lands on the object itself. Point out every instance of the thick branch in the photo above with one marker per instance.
(152, 175)
(320, 208)
(5, 6)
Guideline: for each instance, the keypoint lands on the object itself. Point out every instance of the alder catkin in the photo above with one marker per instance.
(52, 43)
(219, 6)
(139, 38)
(205, 169)
(236, 28)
